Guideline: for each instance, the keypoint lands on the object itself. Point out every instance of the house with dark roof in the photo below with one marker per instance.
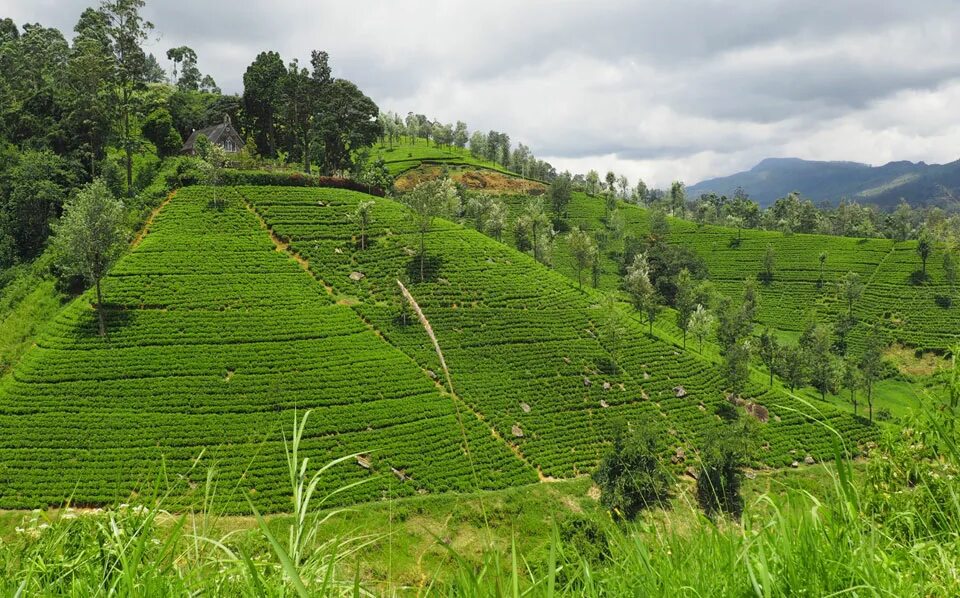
(222, 134)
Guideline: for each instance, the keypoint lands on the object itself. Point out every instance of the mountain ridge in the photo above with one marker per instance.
(919, 183)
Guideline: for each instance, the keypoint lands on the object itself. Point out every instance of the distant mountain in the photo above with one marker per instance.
(919, 183)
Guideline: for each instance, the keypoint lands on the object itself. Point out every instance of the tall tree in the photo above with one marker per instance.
(346, 121)
(850, 289)
(535, 223)
(188, 78)
(769, 261)
(583, 250)
(685, 301)
(852, 380)
(300, 95)
(701, 321)
(924, 249)
(642, 292)
(262, 84)
(817, 342)
(89, 237)
(769, 351)
(127, 31)
(560, 192)
(427, 201)
(362, 217)
(871, 366)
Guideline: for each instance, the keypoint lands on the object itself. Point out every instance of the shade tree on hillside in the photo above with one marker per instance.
(583, 250)
(852, 380)
(361, 216)
(924, 249)
(850, 289)
(89, 238)
(560, 192)
(816, 341)
(642, 292)
(427, 201)
(769, 350)
(769, 263)
(701, 322)
(684, 301)
(535, 226)
(722, 458)
(871, 365)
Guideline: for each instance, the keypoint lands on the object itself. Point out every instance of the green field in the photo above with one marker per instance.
(216, 337)
(906, 313)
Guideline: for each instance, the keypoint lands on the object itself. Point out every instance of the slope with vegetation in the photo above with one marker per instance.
(549, 366)
(213, 339)
(906, 305)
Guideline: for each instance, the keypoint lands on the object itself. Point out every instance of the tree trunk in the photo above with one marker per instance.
(870, 400)
(684, 339)
(422, 253)
(306, 156)
(853, 399)
(580, 278)
(128, 149)
(771, 375)
(103, 326)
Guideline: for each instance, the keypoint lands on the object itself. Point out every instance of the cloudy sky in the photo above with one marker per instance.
(684, 89)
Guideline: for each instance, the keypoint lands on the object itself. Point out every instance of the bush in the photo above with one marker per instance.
(944, 301)
(293, 179)
(633, 475)
(722, 459)
(585, 538)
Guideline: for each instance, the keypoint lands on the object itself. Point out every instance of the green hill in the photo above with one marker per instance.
(906, 312)
(217, 336)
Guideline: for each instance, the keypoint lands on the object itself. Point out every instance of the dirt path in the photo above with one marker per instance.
(149, 222)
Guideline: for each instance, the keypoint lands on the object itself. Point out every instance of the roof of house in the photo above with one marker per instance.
(217, 134)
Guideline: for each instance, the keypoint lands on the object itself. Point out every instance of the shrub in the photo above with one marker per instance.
(633, 475)
(722, 459)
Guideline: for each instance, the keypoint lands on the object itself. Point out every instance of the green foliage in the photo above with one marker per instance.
(158, 129)
(725, 453)
(633, 476)
(89, 237)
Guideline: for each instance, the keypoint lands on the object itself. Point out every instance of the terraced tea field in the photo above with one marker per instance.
(522, 342)
(215, 339)
(905, 312)
(218, 335)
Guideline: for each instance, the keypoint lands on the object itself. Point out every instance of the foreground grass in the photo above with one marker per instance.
(806, 531)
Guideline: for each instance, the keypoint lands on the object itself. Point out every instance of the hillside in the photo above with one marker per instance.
(919, 183)
(217, 336)
(905, 312)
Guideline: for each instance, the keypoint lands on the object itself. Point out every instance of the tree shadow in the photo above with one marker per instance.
(918, 278)
(432, 265)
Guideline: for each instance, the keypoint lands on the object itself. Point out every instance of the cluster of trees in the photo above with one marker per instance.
(790, 214)
(306, 115)
(634, 474)
(492, 146)
(99, 106)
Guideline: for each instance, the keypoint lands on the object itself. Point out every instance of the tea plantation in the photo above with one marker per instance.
(215, 338)
(524, 345)
(905, 312)
(217, 335)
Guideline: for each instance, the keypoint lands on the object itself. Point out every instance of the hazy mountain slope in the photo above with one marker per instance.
(918, 183)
